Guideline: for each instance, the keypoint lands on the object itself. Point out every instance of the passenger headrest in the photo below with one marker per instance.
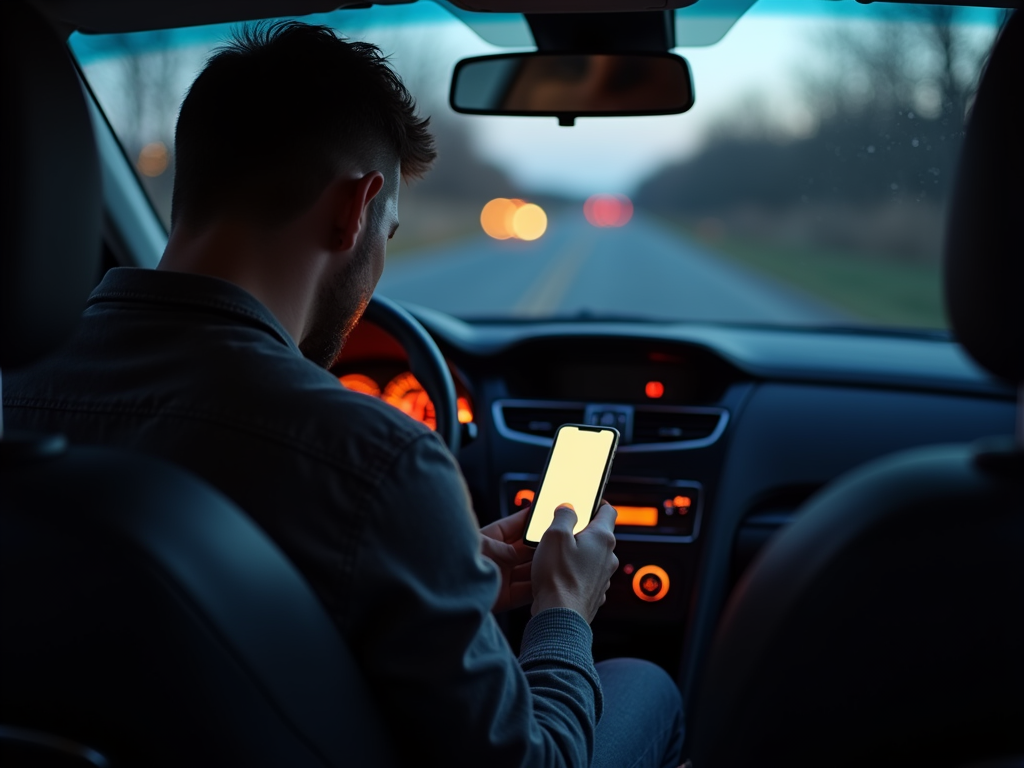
(51, 209)
(984, 261)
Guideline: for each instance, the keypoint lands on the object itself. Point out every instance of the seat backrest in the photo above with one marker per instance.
(143, 618)
(886, 624)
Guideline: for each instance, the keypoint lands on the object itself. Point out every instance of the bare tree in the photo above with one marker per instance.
(926, 65)
(151, 81)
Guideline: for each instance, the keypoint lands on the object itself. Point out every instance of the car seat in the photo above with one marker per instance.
(885, 626)
(143, 618)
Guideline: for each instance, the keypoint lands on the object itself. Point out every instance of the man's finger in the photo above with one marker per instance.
(517, 518)
(512, 527)
(507, 528)
(498, 551)
(605, 517)
(523, 552)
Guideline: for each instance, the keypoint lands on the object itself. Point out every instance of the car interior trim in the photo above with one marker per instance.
(56, 747)
(861, 357)
(677, 445)
(853, 589)
(132, 226)
(658, 538)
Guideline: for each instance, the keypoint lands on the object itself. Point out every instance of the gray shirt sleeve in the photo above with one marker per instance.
(435, 659)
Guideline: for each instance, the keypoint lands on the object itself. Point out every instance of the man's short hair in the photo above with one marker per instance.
(277, 112)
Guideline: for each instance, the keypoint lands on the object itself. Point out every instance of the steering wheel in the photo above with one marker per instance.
(425, 360)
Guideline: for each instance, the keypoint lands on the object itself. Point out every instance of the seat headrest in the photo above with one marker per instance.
(51, 210)
(984, 260)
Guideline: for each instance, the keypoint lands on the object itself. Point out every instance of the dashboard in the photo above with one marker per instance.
(396, 385)
(726, 431)
(375, 364)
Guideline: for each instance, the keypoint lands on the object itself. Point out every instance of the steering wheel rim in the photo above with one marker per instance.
(425, 361)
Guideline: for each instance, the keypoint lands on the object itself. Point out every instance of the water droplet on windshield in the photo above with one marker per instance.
(914, 143)
(871, 149)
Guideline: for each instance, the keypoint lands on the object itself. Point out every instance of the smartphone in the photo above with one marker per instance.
(576, 473)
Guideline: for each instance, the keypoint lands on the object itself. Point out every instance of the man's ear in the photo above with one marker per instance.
(354, 214)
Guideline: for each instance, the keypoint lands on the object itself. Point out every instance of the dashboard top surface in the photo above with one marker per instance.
(828, 356)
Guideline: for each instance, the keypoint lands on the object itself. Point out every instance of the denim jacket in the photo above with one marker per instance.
(368, 504)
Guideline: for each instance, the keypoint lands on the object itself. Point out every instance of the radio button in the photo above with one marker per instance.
(650, 583)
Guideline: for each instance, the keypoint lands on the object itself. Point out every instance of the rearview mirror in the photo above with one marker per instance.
(571, 85)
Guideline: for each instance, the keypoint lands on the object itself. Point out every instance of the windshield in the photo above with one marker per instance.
(807, 185)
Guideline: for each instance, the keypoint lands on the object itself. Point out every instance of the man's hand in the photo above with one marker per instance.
(502, 542)
(575, 571)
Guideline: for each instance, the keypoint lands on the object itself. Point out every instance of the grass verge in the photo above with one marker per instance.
(869, 287)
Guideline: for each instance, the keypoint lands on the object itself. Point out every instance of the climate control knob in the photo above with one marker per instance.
(650, 583)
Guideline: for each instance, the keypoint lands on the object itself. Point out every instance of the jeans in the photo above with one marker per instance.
(642, 724)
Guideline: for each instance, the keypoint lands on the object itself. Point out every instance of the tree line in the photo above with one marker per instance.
(888, 123)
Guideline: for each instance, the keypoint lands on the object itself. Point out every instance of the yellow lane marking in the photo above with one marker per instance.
(547, 291)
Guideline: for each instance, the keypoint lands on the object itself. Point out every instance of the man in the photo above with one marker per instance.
(290, 149)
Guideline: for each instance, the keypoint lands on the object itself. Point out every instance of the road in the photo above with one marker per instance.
(642, 269)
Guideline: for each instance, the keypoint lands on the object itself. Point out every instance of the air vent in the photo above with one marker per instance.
(674, 426)
(540, 420)
(653, 428)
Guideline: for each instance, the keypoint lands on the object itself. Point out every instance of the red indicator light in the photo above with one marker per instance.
(628, 569)
(654, 389)
(681, 501)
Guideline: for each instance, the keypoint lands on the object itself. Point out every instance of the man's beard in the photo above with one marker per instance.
(340, 302)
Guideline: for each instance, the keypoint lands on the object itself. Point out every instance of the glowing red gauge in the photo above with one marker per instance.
(405, 393)
(357, 382)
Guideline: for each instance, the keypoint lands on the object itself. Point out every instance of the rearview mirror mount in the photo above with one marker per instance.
(571, 85)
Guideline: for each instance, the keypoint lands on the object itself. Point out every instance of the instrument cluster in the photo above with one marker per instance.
(402, 390)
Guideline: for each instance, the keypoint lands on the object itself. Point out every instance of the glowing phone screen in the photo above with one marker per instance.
(574, 474)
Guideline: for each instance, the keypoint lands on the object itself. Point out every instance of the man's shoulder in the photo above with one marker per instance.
(308, 406)
(363, 416)
(248, 389)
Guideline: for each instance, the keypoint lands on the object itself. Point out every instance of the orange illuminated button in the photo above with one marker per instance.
(646, 516)
(465, 411)
(525, 496)
(650, 583)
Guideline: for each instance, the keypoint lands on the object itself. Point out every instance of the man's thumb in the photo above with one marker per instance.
(565, 518)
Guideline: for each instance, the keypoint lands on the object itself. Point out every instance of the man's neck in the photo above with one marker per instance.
(271, 265)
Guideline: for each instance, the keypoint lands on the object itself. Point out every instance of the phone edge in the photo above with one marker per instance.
(604, 480)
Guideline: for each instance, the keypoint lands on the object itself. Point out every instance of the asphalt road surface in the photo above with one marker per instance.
(642, 269)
